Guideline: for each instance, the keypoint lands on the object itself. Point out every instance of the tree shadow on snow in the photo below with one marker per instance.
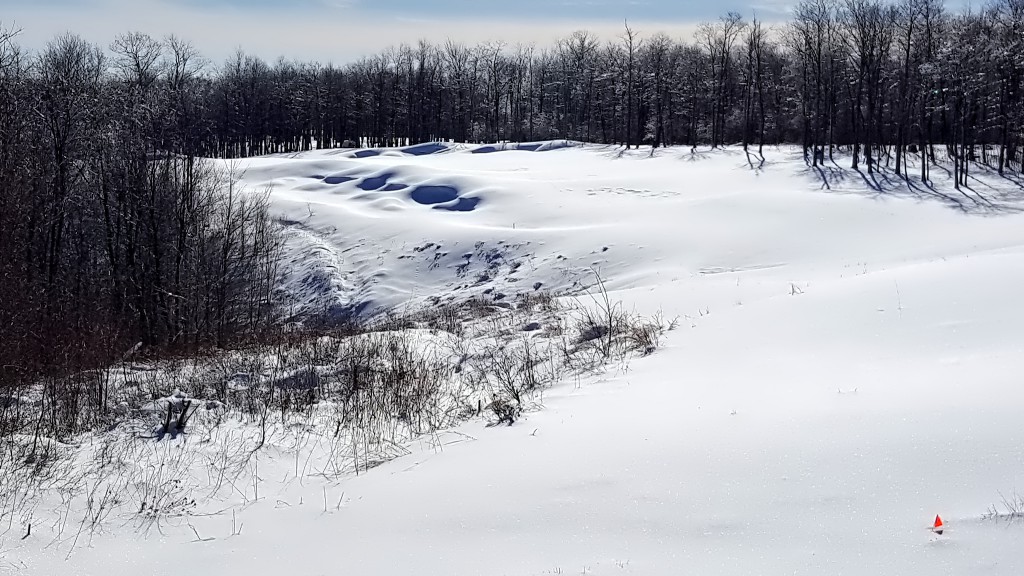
(750, 160)
(882, 181)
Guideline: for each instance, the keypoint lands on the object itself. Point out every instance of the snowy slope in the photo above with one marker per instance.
(847, 366)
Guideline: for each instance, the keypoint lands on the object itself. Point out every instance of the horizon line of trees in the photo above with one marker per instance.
(881, 78)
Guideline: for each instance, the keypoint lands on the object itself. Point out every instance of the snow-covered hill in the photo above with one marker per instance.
(847, 365)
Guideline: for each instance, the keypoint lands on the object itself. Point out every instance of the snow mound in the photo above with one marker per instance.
(425, 149)
(544, 146)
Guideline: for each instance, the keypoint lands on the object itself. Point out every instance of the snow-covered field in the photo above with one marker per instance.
(847, 365)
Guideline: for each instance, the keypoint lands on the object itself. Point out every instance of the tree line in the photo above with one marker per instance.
(115, 232)
(879, 77)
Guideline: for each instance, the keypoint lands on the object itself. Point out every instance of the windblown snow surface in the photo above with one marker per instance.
(848, 364)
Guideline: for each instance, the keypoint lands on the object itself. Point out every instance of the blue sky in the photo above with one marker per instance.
(616, 10)
(605, 9)
(343, 30)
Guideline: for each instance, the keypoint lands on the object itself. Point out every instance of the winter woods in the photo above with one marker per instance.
(882, 78)
(114, 231)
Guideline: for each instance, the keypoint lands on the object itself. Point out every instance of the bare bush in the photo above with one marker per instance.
(643, 335)
(605, 328)
(543, 300)
(599, 324)
(1010, 508)
(505, 412)
(443, 317)
(340, 400)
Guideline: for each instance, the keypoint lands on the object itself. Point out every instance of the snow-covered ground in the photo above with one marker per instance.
(847, 365)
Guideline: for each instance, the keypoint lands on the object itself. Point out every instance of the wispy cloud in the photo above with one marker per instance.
(339, 30)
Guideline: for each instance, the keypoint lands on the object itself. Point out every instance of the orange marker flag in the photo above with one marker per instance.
(938, 526)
